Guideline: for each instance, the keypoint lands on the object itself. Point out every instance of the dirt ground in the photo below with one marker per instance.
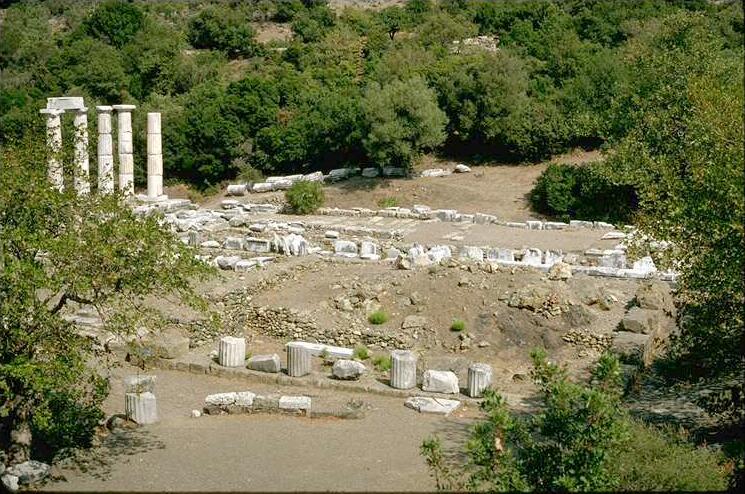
(260, 452)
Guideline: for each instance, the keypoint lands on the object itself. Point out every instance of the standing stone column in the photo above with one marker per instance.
(126, 158)
(54, 147)
(154, 158)
(105, 151)
(81, 161)
(141, 408)
(231, 352)
(403, 369)
(298, 360)
(479, 378)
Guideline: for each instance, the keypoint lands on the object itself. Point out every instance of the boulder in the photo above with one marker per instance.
(237, 190)
(227, 262)
(370, 172)
(461, 168)
(29, 472)
(348, 369)
(643, 321)
(265, 363)
(560, 271)
(655, 295)
(10, 482)
(294, 403)
(440, 382)
(632, 348)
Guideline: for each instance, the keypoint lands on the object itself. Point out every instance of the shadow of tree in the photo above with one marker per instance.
(121, 443)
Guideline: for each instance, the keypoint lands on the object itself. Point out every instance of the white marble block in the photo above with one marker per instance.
(141, 408)
(232, 352)
(440, 382)
(479, 378)
(298, 360)
(154, 158)
(403, 369)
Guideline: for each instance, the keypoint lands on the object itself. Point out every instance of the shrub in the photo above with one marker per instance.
(115, 22)
(582, 192)
(378, 317)
(361, 353)
(223, 30)
(458, 325)
(305, 197)
(382, 363)
(388, 202)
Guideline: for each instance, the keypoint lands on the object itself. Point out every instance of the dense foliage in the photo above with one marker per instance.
(57, 250)
(581, 439)
(352, 87)
(582, 192)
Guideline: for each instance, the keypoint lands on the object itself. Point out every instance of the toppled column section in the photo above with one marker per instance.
(479, 378)
(105, 151)
(81, 161)
(126, 158)
(403, 369)
(231, 352)
(298, 360)
(54, 147)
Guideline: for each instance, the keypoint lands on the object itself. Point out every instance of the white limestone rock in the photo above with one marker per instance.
(262, 187)
(644, 265)
(332, 234)
(345, 247)
(244, 398)
(472, 253)
(348, 369)
(439, 252)
(237, 190)
(370, 172)
(227, 262)
(440, 382)
(461, 168)
(265, 363)
(233, 243)
(294, 402)
(440, 406)
(245, 265)
(532, 257)
(141, 408)
(259, 245)
(221, 399)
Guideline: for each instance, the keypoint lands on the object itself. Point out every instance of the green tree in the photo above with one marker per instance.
(683, 152)
(115, 22)
(225, 30)
(581, 439)
(58, 249)
(25, 37)
(403, 120)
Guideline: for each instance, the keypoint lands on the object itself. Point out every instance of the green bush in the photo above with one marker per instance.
(225, 30)
(378, 317)
(388, 202)
(361, 353)
(382, 363)
(458, 325)
(305, 197)
(115, 22)
(582, 192)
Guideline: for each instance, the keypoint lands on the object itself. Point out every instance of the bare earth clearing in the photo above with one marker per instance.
(507, 311)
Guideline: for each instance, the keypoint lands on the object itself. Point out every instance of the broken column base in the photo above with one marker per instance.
(141, 408)
(146, 198)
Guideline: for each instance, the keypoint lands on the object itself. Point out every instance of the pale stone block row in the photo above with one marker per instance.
(105, 151)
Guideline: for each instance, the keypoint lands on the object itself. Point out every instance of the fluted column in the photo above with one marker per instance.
(54, 147)
(298, 360)
(81, 161)
(403, 369)
(141, 408)
(105, 151)
(479, 378)
(232, 352)
(154, 158)
(124, 138)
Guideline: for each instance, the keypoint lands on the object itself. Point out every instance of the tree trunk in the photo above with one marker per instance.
(20, 440)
